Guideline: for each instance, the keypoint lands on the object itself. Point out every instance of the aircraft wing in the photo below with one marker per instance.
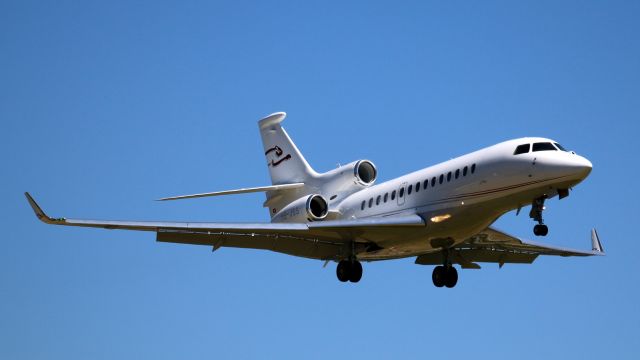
(320, 240)
(496, 246)
(280, 187)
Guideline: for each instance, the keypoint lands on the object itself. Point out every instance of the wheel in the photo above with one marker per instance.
(438, 276)
(451, 277)
(540, 230)
(355, 273)
(342, 270)
(545, 230)
(537, 230)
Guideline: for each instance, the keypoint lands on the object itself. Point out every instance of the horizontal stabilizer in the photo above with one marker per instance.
(238, 191)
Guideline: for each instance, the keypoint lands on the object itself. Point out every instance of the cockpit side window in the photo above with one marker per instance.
(559, 147)
(522, 149)
(544, 146)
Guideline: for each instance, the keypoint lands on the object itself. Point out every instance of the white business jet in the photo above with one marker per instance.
(441, 214)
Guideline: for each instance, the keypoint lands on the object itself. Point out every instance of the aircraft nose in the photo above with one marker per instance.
(582, 166)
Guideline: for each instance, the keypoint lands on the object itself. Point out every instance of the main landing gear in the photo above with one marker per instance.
(349, 270)
(445, 275)
(536, 214)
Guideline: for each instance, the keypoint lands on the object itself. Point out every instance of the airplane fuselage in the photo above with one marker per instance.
(463, 196)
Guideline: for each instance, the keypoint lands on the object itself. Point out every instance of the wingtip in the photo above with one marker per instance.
(596, 245)
(34, 205)
(40, 214)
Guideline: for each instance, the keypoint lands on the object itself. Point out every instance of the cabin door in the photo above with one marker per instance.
(401, 193)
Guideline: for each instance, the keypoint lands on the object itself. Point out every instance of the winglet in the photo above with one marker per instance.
(39, 213)
(595, 242)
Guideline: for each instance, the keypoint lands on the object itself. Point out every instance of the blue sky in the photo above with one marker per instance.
(105, 106)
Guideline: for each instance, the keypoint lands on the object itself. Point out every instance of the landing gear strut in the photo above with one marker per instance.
(536, 214)
(445, 275)
(349, 270)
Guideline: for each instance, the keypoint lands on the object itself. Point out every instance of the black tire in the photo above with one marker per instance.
(537, 230)
(438, 276)
(355, 273)
(342, 271)
(544, 230)
(451, 278)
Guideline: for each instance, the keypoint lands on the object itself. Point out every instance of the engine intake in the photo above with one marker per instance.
(317, 207)
(307, 208)
(365, 172)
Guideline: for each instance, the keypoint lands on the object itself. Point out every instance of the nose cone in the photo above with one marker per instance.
(582, 166)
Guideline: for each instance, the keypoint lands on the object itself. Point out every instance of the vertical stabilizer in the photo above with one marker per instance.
(285, 162)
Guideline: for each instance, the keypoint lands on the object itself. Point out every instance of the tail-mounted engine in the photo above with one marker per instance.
(334, 185)
(349, 178)
(307, 208)
(365, 172)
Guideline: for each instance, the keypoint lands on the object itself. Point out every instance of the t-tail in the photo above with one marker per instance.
(285, 162)
(290, 173)
(297, 192)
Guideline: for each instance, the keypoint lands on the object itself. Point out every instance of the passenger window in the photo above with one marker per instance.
(393, 195)
(441, 178)
(544, 146)
(426, 183)
(378, 200)
(386, 197)
(522, 149)
(433, 181)
(473, 168)
(457, 173)
(362, 206)
(370, 202)
(449, 176)
(464, 171)
(417, 186)
(401, 193)
(409, 189)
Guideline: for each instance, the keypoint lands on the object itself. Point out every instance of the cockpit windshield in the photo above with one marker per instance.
(544, 146)
(522, 149)
(559, 147)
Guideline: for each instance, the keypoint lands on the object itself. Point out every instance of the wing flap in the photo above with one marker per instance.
(467, 258)
(304, 246)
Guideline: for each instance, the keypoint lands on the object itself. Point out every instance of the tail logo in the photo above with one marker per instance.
(278, 155)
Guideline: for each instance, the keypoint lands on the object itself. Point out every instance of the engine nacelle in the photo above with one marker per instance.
(308, 208)
(365, 172)
(349, 178)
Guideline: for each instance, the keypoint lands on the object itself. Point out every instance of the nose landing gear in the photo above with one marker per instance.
(540, 230)
(536, 214)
